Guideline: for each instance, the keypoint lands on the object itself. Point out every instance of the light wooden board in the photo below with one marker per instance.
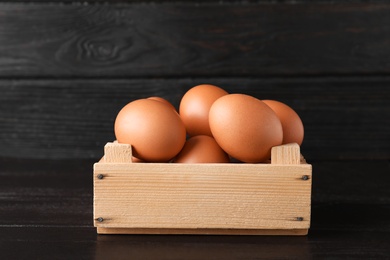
(286, 154)
(202, 196)
(116, 152)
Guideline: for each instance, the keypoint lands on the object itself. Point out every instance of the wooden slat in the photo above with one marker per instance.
(344, 118)
(191, 39)
(286, 154)
(202, 196)
(45, 193)
(117, 153)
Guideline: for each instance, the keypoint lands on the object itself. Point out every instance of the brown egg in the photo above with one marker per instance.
(163, 100)
(245, 127)
(201, 149)
(195, 106)
(154, 130)
(292, 125)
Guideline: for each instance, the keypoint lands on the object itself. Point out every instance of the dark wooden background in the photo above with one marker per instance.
(67, 68)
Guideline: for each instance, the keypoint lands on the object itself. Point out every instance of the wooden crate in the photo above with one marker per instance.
(168, 198)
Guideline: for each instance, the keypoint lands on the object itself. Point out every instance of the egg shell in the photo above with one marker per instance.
(195, 106)
(163, 100)
(293, 130)
(202, 149)
(245, 127)
(154, 130)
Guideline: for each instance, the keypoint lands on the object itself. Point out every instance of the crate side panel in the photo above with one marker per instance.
(202, 196)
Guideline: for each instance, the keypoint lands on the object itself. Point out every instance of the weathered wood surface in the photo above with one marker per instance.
(344, 117)
(46, 213)
(48, 109)
(192, 39)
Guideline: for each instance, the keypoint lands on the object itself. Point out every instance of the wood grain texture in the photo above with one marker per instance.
(344, 117)
(51, 193)
(202, 196)
(286, 154)
(117, 153)
(181, 39)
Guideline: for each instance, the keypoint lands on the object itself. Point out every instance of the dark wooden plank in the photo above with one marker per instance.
(44, 243)
(192, 39)
(351, 182)
(82, 243)
(46, 193)
(323, 244)
(344, 118)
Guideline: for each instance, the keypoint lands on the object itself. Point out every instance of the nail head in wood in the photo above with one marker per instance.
(100, 176)
(299, 218)
(305, 177)
(100, 219)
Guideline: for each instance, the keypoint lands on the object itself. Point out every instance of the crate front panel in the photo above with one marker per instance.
(235, 196)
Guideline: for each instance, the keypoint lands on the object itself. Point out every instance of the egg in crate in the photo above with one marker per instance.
(153, 128)
(292, 125)
(201, 149)
(245, 127)
(195, 106)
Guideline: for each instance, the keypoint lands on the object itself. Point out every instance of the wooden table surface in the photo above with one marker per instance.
(46, 213)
